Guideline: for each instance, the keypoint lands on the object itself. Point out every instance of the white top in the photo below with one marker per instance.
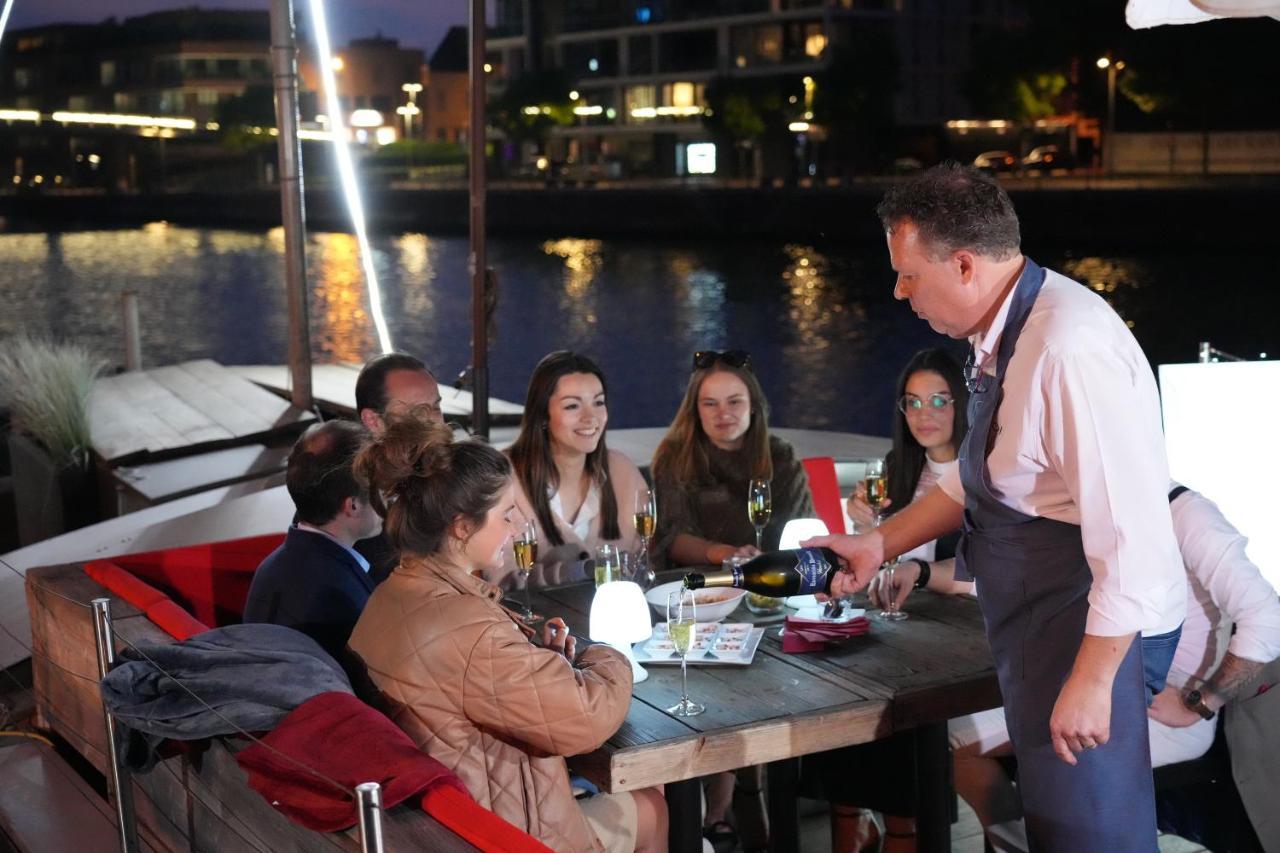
(1079, 441)
(929, 477)
(1223, 588)
(587, 512)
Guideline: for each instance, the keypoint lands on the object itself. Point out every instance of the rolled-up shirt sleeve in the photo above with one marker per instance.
(1214, 551)
(1102, 435)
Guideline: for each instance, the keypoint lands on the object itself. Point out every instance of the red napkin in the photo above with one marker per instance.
(809, 635)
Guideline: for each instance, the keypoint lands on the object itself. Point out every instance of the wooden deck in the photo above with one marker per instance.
(334, 388)
(188, 408)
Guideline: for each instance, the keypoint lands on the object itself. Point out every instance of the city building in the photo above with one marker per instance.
(183, 62)
(379, 87)
(642, 70)
(447, 98)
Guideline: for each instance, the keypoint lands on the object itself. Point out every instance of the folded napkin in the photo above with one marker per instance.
(812, 635)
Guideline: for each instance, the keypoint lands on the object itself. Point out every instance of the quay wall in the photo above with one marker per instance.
(1093, 214)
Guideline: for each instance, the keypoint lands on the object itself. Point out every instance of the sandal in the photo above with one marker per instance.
(722, 835)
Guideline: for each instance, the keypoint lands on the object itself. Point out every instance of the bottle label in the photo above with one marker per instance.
(737, 577)
(812, 569)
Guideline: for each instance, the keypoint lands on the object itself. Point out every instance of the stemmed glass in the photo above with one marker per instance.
(525, 546)
(759, 507)
(646, 520)
(682, 620)
(890, 613)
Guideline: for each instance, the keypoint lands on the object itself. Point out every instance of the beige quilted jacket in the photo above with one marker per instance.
(463, 680)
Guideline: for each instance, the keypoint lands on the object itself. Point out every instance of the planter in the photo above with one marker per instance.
(50, 498)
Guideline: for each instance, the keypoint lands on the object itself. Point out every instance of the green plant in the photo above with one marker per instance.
(46, 386)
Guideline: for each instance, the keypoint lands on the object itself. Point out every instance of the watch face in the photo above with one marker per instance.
(1193, 698)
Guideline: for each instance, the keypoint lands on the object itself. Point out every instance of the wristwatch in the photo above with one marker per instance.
(1195, 701)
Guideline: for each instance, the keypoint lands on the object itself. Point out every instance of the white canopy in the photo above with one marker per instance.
(1142, 14)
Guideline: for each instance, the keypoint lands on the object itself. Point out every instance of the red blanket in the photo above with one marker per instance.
(347, 741)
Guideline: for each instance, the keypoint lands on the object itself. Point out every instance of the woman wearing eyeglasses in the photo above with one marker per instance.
(717, 444)
(928, 426)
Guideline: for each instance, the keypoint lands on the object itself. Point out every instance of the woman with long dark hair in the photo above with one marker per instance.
(929, 423)
(578, 492)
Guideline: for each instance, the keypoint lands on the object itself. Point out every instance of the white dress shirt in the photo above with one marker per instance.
(1079, 441)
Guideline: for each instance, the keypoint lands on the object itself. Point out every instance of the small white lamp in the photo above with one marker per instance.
(799, 529)
(620, 617)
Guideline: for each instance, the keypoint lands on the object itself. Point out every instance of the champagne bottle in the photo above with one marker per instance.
(778, 573)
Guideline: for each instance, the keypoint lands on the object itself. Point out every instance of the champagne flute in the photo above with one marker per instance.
(646, 520)
(890, 613)
(877, 485)
(682, 621)
(759, 508)
(525, 546)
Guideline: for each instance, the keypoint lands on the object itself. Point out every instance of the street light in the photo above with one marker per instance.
(410, 108)
(1112, 67)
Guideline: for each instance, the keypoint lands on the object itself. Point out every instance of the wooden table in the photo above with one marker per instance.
(909, 675)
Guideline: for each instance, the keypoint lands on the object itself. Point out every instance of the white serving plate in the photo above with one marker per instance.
(710, 655)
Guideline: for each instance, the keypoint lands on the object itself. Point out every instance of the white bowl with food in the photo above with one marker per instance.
(713, 604)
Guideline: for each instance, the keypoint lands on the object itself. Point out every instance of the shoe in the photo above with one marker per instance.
(722, 835)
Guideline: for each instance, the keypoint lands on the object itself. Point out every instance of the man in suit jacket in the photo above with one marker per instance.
(315, 581)
(392, 384)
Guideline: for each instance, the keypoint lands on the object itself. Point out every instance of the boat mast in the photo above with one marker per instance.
(478, 265)
(284, 70)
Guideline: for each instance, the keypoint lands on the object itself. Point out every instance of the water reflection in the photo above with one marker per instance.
(1115, 280)
(700, 309)
(582, 262)
(826, 337)
(344, 332)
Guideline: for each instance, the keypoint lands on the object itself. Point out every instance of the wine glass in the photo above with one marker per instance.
(646, 520)
(525, 546)
(876, 485)
(607, 564)
(890, 613)
(759, 507)
(682, 621)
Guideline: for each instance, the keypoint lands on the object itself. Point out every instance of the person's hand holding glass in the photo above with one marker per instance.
(525, 546)
(759, 507)
(646, 520)
(682, 621)
(890, 580)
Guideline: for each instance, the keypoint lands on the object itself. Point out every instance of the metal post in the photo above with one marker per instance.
(284, 70)
(1108, 152)
(116, 776)
(132, 332)
(370, 797)
(476, 140)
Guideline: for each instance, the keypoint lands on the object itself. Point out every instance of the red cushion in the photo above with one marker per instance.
(479, 826)
(825, 489)
(175, 621)
(210, 580)
(124, 584)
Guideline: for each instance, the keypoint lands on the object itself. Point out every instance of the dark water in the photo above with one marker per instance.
(826, 337)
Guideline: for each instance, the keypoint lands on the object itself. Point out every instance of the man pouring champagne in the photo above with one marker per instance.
(1060, 492)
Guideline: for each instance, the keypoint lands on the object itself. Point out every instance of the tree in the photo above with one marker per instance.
(531, 105)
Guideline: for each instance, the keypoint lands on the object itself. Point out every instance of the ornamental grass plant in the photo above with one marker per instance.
(46, 386)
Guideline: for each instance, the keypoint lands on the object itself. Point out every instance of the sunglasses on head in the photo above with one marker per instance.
(702, 359)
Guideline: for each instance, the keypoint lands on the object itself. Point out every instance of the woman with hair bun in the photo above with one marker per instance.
(461, 676)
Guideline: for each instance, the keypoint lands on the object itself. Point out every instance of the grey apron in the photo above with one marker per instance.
(1033, 584)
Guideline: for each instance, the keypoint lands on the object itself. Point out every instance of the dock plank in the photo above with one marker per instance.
(269, 410)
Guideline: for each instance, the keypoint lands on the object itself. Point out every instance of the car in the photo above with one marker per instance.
(1046, 158)
(995, 161)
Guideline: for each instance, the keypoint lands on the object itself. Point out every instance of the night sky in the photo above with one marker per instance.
(416, 23)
